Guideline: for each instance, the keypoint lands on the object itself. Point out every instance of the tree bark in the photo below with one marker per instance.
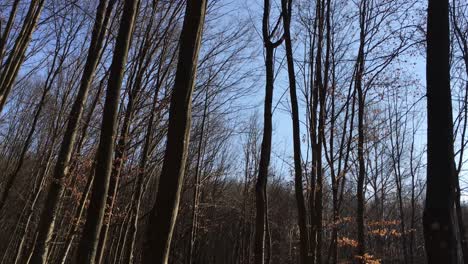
(286, 6)
(261, 184)
(440, 230)
(361, 134)
(164, 213)
(50, 210)
(87, 247)
(197, 183)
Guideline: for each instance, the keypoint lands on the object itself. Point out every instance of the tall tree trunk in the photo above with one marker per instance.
(40, 181)
(315, 87)
(140, 185)
(12, 176)
(118, 164)
(440, 230)
(144, 55)
(87, 247)
(164, 213)
(79, 210)
(38, 186)
(396, 151)
(261, 184)
(360, 144)
(56, 68)
(286, 6)
(77, 219)
(413, 202)
(193, 233)
(50, 210)
(322, 86)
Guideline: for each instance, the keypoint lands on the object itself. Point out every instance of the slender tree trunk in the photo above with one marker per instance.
(164, 213)
(87, 247)
(52, 74)
(121, 251)
(119, 161)
(143, 59)
(315, 199)
(12, 177)
(29, 212)
(322, 80)
(30, 209)
(197, 183)
(397, 141)
(413, 203)
(298, 181)
(50, 210)
(40, 182)
(122, 234)
(140, 185)
(361, 134)
(267, 233)
(80, 207)
(77, 218)
(261, 184)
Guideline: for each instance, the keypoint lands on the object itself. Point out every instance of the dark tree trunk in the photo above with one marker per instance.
(164, 213)
(197, 184)
(286, 6)
(361, 248)
(261, 184)
(439, 220)
(50, 210)
(87, 247)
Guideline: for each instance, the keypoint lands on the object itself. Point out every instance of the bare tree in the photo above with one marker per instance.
(298, 181)
(89, 241)
(164, 213)
(49, 212)
(261, 219)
